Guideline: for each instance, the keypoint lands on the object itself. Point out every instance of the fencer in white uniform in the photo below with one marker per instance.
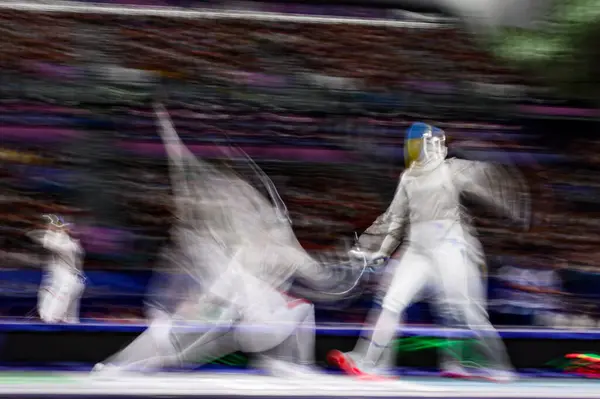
(438, 248)
(63, 282)
(243, 254)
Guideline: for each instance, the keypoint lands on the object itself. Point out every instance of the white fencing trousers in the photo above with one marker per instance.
(268, 319)
(59, 296)
(411, 275)
(272, 324)
(462, 289)
(291, 339)
(154, 343)
(456, 279)
(258, 304)
(289, 336)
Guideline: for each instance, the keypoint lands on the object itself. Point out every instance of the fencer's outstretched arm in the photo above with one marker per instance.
(184, 169)
(315, 273)
(325, 281)
(176, 150)
(504, 190)
(391, 224)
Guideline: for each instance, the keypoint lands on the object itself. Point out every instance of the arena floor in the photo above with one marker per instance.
(203, 385)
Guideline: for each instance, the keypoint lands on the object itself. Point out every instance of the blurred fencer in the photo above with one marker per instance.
(439, 250)
(243, 254)
(63, 282)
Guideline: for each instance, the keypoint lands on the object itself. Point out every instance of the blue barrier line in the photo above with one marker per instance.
(351, 330)
(222, 369)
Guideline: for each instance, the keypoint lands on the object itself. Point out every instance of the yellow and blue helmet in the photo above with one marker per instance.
(424, 142)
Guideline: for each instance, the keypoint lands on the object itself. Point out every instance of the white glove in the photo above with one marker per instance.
(378, 259)
(373, 258)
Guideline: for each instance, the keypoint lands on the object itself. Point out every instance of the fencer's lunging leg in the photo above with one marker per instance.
(299, 346)
(409, 279)
(464, 293)
(383, 334)
(304, 338)
(212, 345)
(279, 324)
(487, 338)
(155, 341)
(165, 344)
(386, 361)
(294, 357)
(451, 354)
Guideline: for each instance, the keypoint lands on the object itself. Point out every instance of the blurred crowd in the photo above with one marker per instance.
(350, 55)
(321, 107)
